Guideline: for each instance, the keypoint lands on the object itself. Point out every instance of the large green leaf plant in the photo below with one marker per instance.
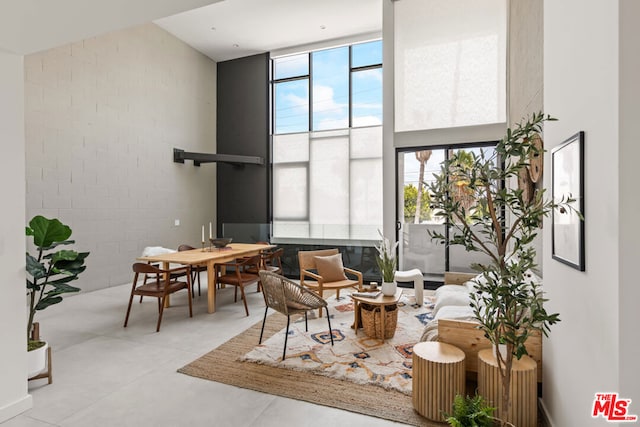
(50, 271)
(509, 301)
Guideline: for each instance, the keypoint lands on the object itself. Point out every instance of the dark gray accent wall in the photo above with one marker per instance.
(243, 128)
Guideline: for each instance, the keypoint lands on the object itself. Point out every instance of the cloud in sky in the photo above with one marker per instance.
(324, 100)
(366, 121)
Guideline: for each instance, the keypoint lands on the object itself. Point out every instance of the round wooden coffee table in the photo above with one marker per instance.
(381, 301)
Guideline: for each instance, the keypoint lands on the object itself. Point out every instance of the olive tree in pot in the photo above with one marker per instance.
(509, 303)
(48, 274)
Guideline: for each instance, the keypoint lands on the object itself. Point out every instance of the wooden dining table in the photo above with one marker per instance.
(209, 257)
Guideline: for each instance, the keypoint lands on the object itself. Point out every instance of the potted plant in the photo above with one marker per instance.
(48, 276)
(508, 303)
(470, 412)
(386, 260)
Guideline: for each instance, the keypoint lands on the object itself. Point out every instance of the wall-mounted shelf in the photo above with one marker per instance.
(179, 156)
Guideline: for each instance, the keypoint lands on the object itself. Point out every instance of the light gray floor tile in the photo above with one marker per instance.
(108, 375)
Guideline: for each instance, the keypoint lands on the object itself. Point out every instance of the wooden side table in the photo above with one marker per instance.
(438, 376)
(380, 301)
(523, 387)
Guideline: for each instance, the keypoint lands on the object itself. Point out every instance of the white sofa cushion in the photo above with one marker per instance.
(452, 298)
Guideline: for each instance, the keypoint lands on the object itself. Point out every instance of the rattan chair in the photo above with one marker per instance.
(166, 282)
(287, 297)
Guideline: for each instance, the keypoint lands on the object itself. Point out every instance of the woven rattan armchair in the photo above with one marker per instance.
(287, 297)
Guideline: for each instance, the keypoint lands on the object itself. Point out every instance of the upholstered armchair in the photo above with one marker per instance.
(323, 270)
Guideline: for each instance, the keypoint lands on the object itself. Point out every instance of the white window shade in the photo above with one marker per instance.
(328, 184)
(450, 63)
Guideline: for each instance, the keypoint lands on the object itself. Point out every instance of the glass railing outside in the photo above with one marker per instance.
(359, 255)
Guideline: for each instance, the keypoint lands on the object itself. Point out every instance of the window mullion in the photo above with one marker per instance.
(310, 92)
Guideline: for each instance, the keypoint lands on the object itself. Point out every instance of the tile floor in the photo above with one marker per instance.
(106, 375)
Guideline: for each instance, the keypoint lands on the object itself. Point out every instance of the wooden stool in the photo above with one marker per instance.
(438, 376)
(523, 387)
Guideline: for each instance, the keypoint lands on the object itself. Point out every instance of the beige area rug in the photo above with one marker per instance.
(356, 358)
(224, 365)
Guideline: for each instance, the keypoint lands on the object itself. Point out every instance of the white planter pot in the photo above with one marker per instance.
(37, 361)
(389, 288)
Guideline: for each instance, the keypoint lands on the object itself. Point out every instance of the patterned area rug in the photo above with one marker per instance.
(355, 358)
(223, 365)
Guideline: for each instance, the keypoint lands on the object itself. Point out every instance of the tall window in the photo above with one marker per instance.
(327, 143)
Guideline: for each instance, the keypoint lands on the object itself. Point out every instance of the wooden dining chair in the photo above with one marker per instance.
(195, 271)
(160, 286)
(237, 273)
(270, 260)
(288, 298)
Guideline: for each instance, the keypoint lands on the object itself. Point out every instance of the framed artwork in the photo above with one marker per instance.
(567, 175)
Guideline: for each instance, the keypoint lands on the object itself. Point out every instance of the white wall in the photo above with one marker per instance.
(629, 201)
(581, 77)
(13, 363)
(388, 151)
(102, 118)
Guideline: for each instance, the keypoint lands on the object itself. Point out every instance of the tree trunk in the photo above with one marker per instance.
(506, 385)
(422, 156)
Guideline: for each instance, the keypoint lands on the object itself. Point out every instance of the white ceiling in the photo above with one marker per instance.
(28, 26)
(236, 28)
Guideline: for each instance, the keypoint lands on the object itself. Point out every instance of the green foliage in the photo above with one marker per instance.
(51, 271)
(509, 303)
(410, 198)
(470, 412)
(386, 258)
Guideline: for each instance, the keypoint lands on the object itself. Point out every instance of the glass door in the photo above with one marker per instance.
(416, 217)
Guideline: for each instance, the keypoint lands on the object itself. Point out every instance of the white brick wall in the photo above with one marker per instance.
(102, 117)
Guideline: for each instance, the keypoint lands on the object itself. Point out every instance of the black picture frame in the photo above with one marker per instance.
(567, 177)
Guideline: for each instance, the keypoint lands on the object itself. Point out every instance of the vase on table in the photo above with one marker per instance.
(389, 288)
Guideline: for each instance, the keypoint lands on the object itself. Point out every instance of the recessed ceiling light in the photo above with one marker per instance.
(236, 45)
(322, 27)
(213, 28)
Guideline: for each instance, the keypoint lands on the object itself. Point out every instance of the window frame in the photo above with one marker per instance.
(309, 130)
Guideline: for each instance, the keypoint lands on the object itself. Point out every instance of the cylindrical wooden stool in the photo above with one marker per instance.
(438, 375)
(523, 387)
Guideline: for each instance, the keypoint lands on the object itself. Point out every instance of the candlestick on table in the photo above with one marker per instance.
(210, 235)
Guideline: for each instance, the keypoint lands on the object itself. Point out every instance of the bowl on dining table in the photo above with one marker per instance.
(220, 242)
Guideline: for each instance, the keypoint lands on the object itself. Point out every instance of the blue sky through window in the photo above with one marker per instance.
(292, 106)
(330, 76)
(364, 54)
(291, 66)
(367, 97)
(331, 89)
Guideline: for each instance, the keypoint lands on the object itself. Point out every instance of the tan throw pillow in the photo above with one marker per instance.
(330, 267)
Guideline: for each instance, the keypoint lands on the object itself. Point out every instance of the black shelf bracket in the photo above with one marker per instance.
(179, 156)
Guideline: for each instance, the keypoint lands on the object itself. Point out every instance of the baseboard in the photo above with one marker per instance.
(542, 410)
(16, 408)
